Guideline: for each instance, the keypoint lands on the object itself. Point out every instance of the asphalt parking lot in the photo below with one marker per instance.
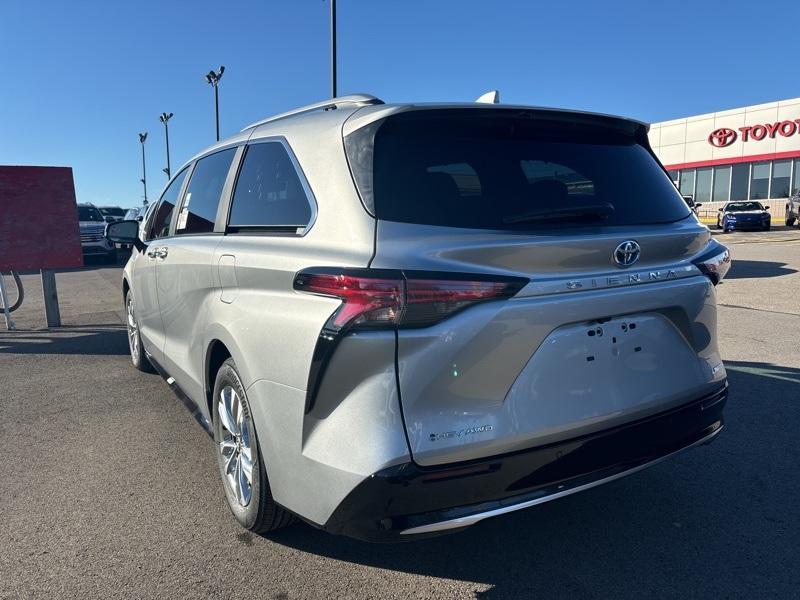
(109, 488)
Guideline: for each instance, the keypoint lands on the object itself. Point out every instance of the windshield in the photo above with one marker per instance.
(89, 213)
(112, 211)
(742, 206)
(508, 170)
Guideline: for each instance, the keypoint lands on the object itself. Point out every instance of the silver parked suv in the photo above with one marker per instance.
(400, 319)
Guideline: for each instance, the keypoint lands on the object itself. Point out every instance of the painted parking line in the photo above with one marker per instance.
(776, 373)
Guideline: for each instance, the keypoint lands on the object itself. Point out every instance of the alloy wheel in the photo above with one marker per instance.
(236, 445)
(133, 332)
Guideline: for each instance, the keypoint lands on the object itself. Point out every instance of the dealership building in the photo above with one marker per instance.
(750, 153)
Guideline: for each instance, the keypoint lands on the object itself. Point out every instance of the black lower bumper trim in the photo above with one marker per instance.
(408, 496)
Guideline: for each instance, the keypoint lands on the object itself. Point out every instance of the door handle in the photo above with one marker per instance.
(158, 252)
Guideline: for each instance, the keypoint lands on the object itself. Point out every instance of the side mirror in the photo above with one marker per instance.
(720, 209)
(125, 232)
(140, 218)
(698, 205)
(108, 219)
(766, 208)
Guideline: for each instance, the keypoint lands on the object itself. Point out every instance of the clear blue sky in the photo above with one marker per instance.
(81, 78)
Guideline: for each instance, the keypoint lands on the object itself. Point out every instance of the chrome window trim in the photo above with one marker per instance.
(310, 197)
(173, 228)
(188, 167)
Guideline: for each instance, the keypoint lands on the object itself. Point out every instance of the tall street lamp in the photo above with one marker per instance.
(142, 138)
(333, 48)
(213, 80)
(164, 117)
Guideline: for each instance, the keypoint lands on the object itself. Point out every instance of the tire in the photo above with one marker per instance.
(235, 438)
(789, 219)
(138, 357)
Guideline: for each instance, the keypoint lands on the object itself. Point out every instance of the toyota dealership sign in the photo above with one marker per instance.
(750, 134)
(724, 136)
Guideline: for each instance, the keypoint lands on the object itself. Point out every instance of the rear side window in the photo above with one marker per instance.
(510, 170)
(199, 209)
(269, 192)
(166, 206)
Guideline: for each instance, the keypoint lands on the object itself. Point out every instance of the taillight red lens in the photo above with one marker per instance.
(431, 300)
(364, 300)
(375, 298)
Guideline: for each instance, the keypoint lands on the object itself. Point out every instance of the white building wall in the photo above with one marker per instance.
(683, 144)
(683, 141)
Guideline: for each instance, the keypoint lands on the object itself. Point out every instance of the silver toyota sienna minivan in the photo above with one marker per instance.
(401, 319)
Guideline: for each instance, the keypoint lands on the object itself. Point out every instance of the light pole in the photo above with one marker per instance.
(213, 79)
(142, 138)
(164, 117)
(333, 48)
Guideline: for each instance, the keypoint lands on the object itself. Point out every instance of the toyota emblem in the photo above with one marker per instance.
(722, 137)
(627, 253)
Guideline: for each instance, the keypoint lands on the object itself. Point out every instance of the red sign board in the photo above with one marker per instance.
(38, 219)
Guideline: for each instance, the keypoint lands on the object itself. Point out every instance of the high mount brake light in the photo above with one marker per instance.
(381, 298)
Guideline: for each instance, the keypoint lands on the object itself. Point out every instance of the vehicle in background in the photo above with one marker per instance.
(742, 215)
(793, 208)
(93, 233)
(401, 319)
(138, 214)
(690, 203)
(112, 213)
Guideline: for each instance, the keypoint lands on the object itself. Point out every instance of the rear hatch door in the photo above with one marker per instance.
(615, 322)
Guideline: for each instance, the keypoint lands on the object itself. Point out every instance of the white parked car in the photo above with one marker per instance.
(93, 233)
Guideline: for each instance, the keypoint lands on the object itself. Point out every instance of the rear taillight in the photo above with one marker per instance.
(366, 301)
(379, 298)
(715, 262)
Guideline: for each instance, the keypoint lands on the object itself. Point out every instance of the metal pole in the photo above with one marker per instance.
(333, 48)
(144, 174)
(216, 108)
(50, 296)
(166, 132)
(4, 298)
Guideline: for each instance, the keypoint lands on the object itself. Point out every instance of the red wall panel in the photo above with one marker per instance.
(38, 219)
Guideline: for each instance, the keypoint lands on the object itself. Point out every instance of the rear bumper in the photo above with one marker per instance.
(408, 501)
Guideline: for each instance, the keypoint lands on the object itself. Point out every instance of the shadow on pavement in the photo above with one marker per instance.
(111, 340)
(715, 521)
(756, 269)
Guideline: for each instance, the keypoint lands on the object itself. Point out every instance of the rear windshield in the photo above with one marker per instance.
(89, 213)
(112, 211)
(503, 169)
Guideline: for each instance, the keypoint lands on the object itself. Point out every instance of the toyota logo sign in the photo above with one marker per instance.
(722, 137)
(626, 253)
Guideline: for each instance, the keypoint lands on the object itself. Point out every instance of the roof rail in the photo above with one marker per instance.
(330, 104)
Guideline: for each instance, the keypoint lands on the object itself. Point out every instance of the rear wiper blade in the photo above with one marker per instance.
(578, 212)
